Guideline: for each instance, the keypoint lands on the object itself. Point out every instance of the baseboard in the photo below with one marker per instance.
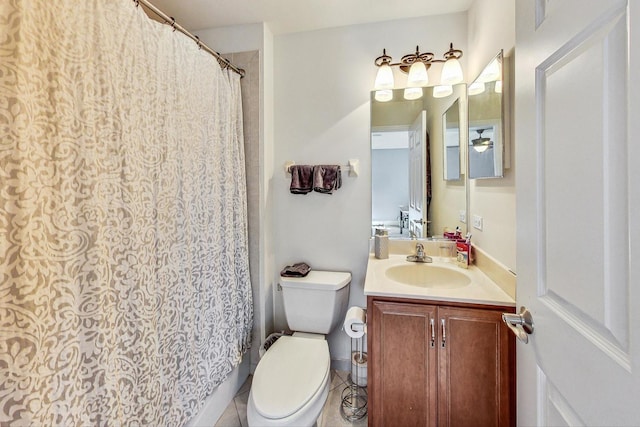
(341, 364)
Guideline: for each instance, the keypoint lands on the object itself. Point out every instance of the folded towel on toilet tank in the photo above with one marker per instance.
(299, 269)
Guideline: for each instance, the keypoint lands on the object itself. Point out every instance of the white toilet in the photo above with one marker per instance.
(291, 382)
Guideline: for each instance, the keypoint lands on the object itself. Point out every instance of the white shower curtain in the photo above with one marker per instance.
(124, 281)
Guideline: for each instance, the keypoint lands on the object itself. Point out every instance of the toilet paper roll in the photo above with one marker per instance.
(355, 322)
(359, 368)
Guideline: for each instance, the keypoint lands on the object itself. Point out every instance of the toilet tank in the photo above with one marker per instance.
(316, 303)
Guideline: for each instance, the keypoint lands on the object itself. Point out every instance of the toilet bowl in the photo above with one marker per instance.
(291, 382)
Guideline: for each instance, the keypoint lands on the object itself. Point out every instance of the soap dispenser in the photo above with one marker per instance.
(381, 243)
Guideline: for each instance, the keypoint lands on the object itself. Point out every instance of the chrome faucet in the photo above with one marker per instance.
(420, 255)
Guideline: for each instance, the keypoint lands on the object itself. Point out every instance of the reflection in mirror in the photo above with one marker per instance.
(409, 197)
(451, 142)
(486, 136)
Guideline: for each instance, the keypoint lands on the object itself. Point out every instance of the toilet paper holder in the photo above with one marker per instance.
(357, 327)
(354, 395)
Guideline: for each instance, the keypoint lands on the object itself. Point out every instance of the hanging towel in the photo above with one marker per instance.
(300, 269)
(301, 179)
(327, 178)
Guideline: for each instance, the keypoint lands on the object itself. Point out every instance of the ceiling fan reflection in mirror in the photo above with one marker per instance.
(481, 144)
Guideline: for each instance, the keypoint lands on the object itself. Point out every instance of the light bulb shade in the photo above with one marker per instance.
(412, 93)
(383, 95)
(491, 72)
(418, 75)
(451, 72)
(442, 91)
(480, 148)
(498, 86)
(384, 78)
(476, 88)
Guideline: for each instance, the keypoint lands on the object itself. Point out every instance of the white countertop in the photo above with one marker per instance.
(481, 290)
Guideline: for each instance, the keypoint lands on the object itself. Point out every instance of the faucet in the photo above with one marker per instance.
(420, 255)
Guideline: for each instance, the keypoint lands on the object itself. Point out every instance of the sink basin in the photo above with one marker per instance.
(428, 276)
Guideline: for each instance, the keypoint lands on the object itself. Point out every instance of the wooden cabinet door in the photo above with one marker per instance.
(402, 364)
(476, 369)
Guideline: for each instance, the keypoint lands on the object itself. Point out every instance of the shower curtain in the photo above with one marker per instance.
(124, 280)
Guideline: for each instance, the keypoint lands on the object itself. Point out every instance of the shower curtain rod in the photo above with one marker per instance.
(172, 22)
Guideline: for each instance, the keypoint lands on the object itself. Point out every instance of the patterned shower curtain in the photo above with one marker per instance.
(124, 281)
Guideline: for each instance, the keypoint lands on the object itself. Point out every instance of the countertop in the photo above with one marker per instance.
(481, 290)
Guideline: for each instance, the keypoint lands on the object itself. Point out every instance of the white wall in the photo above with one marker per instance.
(238, 38)
(322, 87)
(491, 28)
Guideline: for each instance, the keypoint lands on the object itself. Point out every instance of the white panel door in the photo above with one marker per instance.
(417, 170)
(578, 211)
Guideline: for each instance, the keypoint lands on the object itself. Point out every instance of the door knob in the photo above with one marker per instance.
(521, 324)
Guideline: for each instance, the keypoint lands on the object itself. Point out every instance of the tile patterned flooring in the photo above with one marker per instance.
(236, 413)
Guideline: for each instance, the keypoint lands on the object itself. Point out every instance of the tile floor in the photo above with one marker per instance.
(236, 413)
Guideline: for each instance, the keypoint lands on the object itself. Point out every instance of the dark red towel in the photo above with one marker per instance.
(300, 269)
(327, 178)
(301, 179)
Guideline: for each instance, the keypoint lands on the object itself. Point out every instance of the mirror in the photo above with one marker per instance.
(451, 142)
(486, 125)
(410, 196)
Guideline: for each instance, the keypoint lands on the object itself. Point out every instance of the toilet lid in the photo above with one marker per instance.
(288, 375)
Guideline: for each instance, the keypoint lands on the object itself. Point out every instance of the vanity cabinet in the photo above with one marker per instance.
(439, 364)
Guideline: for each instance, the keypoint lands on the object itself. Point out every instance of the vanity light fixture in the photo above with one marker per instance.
(491, 72)
(476, 88)
(384, 95)
(411, 93)
(481, 144)
(416, 65)
(442, 91)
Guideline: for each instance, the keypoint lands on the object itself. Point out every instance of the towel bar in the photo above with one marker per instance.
(353, 166)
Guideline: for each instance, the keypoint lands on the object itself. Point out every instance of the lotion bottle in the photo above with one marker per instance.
(381, 243)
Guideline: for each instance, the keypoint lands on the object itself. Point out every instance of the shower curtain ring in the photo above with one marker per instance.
(198, 42)
(137, 2)
(173, 23)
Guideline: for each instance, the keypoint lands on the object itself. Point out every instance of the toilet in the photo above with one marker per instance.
(291, 382)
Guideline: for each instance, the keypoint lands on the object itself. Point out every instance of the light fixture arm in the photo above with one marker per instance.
(452, 53)
(427, 58)
(384, 59)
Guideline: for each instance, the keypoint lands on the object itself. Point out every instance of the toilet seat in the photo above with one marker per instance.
(289, 375)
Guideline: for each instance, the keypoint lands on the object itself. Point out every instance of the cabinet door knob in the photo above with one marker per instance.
(521, 324)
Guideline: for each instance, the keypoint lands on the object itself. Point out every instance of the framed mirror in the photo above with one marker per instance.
(451, 142)
(486, 122)
(410, 197)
